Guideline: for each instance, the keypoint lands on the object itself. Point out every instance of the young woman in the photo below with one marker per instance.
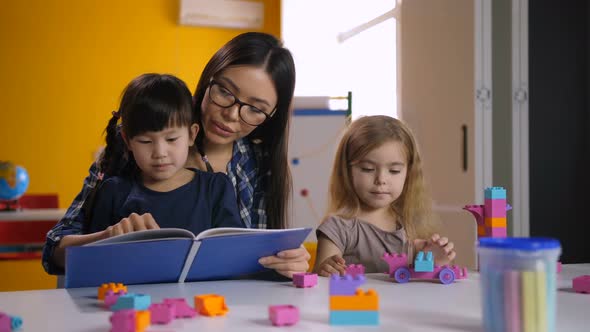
(242, 105)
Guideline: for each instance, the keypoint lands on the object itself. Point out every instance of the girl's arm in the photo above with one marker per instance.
(329, 258)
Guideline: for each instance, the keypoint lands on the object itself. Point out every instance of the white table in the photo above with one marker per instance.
(32, 215)
(416, 306)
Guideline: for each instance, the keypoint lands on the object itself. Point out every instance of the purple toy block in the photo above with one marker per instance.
(162, 313)
(496, 231)
(123, 321)
(181, 308)
(281, 315)
(110, 297)
(355, 269)
(305, 279)
(581, 284)
(345, 285)
(495, 208)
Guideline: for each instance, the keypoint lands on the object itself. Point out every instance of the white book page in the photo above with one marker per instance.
(147, 235)
(223, 231)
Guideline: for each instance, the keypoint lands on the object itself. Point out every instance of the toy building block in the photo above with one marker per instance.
(110, 297)
(481, 230)
(360, 301)
(559, 267)
(211, 305)
(345, 285)
(355, 269)
(494, 193)
(496, 222)
(581, 284)
(496, 231)
(181, 308)
(132, 301)
(354, 317)
(129, 320)
(495, 208)
(395, 261)
(162, 313)
(424, 262)
(115, 287)
(282, 315)
(305, 279)
(9, 323)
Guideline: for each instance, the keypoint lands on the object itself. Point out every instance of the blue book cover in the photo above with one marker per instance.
(176, 255)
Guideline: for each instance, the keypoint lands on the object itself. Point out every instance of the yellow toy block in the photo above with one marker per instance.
(481, 230)
(495, 222)
(368, 301)
(142, 320)
(115, 287)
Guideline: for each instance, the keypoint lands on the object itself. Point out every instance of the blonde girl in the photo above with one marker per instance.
(378, 202)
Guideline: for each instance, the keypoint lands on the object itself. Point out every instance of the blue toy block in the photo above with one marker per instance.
(132, 301)
(345, 285)
(495, 192)
(354, 317)
(424, 263)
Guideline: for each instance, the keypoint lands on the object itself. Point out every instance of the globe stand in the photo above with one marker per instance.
(10, 205)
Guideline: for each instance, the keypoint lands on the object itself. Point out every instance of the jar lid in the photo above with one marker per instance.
(520, 243)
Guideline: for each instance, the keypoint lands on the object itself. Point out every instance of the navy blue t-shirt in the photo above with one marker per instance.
(208, 201)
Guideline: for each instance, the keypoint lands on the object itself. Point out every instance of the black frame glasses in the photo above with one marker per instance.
(230, 96)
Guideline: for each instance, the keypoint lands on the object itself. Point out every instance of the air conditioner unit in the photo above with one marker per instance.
(222, 13)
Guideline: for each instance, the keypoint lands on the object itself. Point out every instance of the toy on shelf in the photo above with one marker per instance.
(129, 320)
(181, 308)
(349, 305)
(355, 269)
(9, 323)
(305, 279)
(402, 272)
(581, 284)
(162, 313)
(424, 262)
(283, 315)
(211, 305)
(491, 217)
(111, 286)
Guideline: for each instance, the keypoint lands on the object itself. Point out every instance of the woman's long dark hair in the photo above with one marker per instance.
(267, 52)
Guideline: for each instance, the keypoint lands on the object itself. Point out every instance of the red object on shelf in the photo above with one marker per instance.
(31, 231)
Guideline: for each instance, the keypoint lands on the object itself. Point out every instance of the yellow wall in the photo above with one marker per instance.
(64, 63)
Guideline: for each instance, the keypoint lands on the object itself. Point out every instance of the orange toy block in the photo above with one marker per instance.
(496, 222)
(211, 305)
(368, 301)
(142, 320)
(481, 230)
(115, 287)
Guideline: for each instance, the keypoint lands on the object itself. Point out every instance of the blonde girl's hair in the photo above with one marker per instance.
(414, 206)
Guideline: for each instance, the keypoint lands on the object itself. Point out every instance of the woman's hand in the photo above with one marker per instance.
(133, 223)
(288, 262)
(332, 265)
(442, 250)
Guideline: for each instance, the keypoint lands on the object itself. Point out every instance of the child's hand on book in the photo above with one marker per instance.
(332, 265)
(442, 250)
(288, 262)
(133, 223)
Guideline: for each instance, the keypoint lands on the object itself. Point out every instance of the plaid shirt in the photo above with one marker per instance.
(242, 170)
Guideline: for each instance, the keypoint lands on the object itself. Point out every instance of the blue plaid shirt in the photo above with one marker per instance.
(242, 170)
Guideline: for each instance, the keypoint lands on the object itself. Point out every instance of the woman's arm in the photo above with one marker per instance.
(288, 262)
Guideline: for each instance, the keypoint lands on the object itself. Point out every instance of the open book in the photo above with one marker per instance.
(176, 255)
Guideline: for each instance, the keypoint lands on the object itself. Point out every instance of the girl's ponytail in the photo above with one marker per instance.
(114, 151)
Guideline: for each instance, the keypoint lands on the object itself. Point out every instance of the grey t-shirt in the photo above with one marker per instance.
(362, 242)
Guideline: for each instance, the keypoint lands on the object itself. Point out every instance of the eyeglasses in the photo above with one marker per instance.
(221, 96)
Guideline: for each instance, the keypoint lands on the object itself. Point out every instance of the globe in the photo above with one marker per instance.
(14, 181)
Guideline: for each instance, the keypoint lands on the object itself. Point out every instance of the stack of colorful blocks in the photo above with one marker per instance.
(491, 217)
(349, 305)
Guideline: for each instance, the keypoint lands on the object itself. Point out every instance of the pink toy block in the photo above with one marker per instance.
(162, 313)
(281, 315)
(395, 261)
(305, 279)
(495, 208)
(559, 267)
(581, 284)
(181, 308)
(110, 297)
(496, 231)
(345, 285)
(355, 269)
(9, 323)
(123, 321)
(402, 272)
